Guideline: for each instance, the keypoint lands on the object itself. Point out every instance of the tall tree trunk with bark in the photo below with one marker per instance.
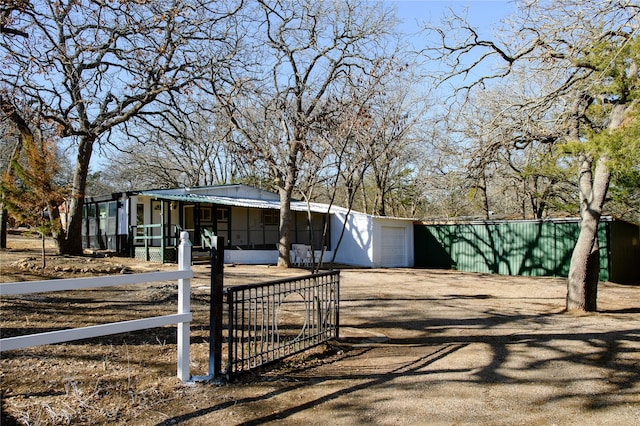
(15, 155)
(73, 243)
(582, 285)
(286, 192)
(285, 227)
(24, 136)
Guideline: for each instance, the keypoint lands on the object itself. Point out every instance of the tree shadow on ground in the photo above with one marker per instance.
(506, 337)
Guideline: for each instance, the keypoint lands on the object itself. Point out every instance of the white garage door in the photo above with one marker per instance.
(393, 247)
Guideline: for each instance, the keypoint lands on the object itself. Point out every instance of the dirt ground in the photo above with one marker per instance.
(416, 347)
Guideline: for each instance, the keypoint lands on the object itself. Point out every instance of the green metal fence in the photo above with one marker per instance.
(530, 248)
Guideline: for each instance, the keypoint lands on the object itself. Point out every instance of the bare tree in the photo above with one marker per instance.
(191, 148)
(6, 18)
(303, 50)
(389, 137)
(591, 52)
(90, 67)
(442, 181)
(512, 152)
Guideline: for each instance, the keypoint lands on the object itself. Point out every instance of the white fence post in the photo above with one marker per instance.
(184, 307)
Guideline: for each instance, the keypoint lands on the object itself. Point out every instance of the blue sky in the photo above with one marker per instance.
(482, 11)
(482, 14)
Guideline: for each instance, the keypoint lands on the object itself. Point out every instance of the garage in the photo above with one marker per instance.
(393, 247)
(372, 241)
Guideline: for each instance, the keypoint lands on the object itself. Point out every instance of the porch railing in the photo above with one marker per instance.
(155, 242)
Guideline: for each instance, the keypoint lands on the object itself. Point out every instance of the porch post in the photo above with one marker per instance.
(162, 233)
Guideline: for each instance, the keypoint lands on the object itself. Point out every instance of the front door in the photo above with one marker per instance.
(222, 223)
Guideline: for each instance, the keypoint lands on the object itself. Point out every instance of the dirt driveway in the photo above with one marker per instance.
(416, 347)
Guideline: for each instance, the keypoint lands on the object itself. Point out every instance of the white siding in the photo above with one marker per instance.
(356, 247)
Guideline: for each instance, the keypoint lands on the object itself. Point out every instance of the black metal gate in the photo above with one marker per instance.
(275, 319)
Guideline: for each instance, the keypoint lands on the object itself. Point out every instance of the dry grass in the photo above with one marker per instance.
(417, 347)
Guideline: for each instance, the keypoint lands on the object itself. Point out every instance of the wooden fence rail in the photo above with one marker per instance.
(183, 318)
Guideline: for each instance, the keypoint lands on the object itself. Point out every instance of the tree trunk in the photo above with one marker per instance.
(482, 188)
(285, 188)
(284, 257)
(380, 208)
(73, 244)
(25, 137)
(58, 232)
(582, 285)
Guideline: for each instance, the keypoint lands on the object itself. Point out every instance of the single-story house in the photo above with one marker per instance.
(147, 224)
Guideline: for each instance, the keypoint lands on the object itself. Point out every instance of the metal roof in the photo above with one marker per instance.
(236, 202)
(185, 195)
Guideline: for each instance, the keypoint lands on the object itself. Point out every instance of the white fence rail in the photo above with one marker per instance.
(183, 318)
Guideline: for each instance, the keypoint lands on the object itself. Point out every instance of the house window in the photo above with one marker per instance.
(113, 209)
(91, 210)
(205, 214)
(102, 209)
(270, 217)
(222, 215)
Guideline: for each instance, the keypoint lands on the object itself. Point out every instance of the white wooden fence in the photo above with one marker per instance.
(182, 318)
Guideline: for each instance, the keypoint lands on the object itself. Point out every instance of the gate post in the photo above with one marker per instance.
(184, 307)
(216, 308)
